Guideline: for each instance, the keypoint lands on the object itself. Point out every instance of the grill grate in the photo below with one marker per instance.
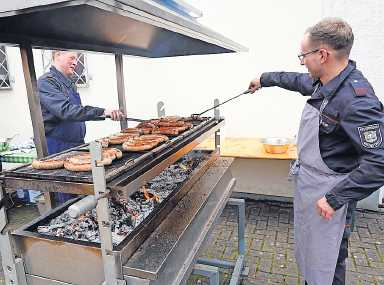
(129, 163)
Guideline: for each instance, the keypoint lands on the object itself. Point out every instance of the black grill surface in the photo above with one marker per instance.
(131, 164)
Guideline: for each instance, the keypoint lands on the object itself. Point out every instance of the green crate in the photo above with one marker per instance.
(17, 158)
(4, 146)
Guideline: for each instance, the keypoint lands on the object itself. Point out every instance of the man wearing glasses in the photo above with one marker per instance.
(340, 146)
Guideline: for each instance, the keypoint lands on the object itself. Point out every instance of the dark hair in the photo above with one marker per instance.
(333, 32)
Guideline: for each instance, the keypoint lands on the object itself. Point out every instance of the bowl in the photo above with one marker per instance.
(275, 145)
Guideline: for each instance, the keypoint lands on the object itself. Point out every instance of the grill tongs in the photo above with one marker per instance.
(226, 101)
(102, 118)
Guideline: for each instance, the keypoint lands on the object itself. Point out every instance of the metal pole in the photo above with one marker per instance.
(240, 203)
(33, 100)
(112, 266)
(35, 109)
(13, 267)
(121, 88)
(216, 103)
(160, 109)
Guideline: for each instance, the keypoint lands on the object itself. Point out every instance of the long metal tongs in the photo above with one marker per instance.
(230, 99)
(101, 118)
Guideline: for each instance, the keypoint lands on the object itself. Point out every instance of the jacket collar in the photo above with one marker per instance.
(331, 87)
(68, 82)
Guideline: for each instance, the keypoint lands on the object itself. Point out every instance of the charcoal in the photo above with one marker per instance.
(125, 213)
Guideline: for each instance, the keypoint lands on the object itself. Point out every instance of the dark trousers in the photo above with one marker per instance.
(339, 278)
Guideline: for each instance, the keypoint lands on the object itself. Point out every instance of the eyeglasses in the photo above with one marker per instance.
(303, 55)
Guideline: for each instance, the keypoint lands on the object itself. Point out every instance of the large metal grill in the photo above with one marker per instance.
(128, 214)
(137, 167)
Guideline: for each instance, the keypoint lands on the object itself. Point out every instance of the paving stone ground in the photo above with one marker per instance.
(269, 245)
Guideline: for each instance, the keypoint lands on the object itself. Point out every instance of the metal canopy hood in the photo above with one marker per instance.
(133, 27)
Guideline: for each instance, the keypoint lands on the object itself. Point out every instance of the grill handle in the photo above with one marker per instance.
(102, 118)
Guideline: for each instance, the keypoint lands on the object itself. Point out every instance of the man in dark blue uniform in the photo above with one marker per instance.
(63, 114)
(340, 145)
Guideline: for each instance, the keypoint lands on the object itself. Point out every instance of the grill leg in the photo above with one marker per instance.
(208, 271)
(13, 266)
(112, 266)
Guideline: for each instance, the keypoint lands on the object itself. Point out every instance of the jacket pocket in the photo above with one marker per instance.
(328, 123)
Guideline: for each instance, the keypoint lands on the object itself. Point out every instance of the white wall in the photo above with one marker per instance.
(270, 29)
(367, 21)
(15, 116)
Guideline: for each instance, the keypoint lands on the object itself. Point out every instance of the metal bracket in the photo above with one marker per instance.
(216, 102)
(3, 213)
(160, 109)
(112, 268)
(211, 272)
(13, 267)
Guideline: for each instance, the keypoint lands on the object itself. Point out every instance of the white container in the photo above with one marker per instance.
(80, 207)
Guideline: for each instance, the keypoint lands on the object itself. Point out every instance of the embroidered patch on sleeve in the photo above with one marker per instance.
(370, 136)
(360, 88)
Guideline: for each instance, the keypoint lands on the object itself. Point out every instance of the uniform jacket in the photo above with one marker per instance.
(351, 127)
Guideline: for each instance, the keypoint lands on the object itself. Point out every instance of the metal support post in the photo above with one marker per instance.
(112, 267)
(160, 109)
(211, 272)
(13, 266)
(121, 88)
(33, 100)
(238, 267)
(217, 117)
(35, 109)
(240, 203)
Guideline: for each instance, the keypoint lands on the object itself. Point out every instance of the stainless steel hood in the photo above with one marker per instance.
(132, 27)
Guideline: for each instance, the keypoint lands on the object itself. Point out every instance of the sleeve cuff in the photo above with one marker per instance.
(264, 80)
(333, 201)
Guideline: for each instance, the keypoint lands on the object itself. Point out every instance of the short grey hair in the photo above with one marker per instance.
(55, 52)
(334, 32)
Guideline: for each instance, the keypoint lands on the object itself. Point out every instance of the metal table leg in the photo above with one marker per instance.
(238, 266)
(211, 272)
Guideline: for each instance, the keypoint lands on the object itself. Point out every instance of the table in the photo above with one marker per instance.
(257, 173)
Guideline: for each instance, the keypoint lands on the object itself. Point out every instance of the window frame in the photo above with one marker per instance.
(3, 51)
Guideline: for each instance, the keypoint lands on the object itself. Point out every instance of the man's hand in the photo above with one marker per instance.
(116, 115)
(324, 209)
(254, 85)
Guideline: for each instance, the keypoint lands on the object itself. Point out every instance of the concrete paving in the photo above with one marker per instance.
(269, 244)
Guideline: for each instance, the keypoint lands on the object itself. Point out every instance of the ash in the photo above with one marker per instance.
(126, 213)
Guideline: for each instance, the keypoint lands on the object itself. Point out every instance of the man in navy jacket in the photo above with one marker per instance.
(63, 114)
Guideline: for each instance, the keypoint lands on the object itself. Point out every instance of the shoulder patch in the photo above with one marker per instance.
(370, 136)
(360, 87)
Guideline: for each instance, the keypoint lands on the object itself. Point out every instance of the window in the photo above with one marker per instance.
(47, 59)
(81, 71)
(4, 72)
